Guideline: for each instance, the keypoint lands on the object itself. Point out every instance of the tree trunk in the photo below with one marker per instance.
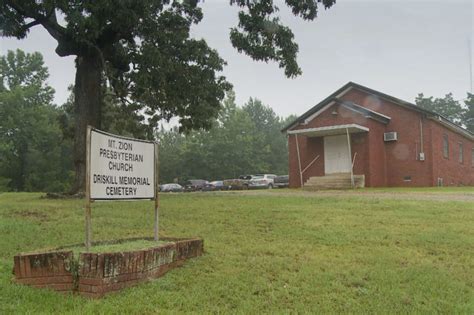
(23, 158)
(87, 109)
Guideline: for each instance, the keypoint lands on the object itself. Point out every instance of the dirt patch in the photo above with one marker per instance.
(31, 214)
(63, 196)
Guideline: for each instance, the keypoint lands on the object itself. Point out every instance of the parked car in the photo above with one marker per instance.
(195, 184)
(261, 181)
(281, 181)
(237, 183)
(214, 186)
(171, 188)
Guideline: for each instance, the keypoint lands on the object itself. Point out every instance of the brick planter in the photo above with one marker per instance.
(99, 273)
(45, 270)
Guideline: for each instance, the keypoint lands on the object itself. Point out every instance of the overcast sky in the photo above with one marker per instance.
(401, 48)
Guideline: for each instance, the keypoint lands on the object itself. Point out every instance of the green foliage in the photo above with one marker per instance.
(261, 35)
(117, 118)
(447, 106)
(31, 155)
(468, 117)
(242, 141)
(462, 114)
(36, 140)
(265, 253)
(270, 143)
(146, 51)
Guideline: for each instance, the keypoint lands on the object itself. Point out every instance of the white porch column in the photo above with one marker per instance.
(299, 159)
(350, 156)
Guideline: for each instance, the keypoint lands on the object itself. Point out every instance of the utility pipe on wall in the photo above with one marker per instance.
(421, 135)
(422, 151)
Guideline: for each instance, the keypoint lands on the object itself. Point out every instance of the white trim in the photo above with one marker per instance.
(343, 103)
(328, 128)
(344, 92)
(350, 156)
(313, 116)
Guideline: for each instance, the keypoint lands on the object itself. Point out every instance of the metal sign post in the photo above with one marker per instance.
(119, 168)
(88, 188)
(157, 168)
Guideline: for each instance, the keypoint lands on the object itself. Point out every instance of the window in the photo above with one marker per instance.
(445, 146)
(461, 153)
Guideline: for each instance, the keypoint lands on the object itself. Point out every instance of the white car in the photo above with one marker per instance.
(171, 188)
(262, 181)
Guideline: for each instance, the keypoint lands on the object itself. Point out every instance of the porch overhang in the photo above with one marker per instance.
(329, 130)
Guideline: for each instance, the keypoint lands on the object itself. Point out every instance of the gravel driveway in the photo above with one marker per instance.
(463, 195)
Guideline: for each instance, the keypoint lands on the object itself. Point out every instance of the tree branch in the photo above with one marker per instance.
(30, 25)
(48, 22)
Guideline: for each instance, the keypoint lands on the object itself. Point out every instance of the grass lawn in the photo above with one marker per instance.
(264, 253)
(122, 246)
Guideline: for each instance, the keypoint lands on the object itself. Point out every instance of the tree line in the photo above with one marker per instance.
(459, 112)
(242, 140)
(37, 136)
(144, 51)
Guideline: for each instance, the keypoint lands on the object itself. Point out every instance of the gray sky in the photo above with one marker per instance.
(398, 47)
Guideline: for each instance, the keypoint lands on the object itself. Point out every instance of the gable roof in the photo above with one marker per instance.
(367, 113)
(352, 85)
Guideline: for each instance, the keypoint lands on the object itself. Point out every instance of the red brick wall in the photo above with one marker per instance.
(45, 270)
(360, 143)
(450, 169)
(376, 171)
(108, 272)
(400, 157)
(101, 273)
(387, 163)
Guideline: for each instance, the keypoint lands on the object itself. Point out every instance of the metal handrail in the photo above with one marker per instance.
(353, 160)
(352, 170)
(311, 163)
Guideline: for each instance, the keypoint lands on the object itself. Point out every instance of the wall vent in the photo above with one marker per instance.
(440, 182)
(390, 136)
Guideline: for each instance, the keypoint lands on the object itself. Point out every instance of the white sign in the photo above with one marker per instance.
(121, 168)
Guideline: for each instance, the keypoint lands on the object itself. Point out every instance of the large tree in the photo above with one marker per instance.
(31, 157)
(143, 48)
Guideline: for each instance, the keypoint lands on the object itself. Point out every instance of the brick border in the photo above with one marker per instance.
(96, 274)
(45, 270)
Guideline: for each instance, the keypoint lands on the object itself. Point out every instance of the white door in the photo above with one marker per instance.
(336, 155)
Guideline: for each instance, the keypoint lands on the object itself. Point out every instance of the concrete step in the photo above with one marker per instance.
(328, 180)
(334, 181)
(335, 175)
